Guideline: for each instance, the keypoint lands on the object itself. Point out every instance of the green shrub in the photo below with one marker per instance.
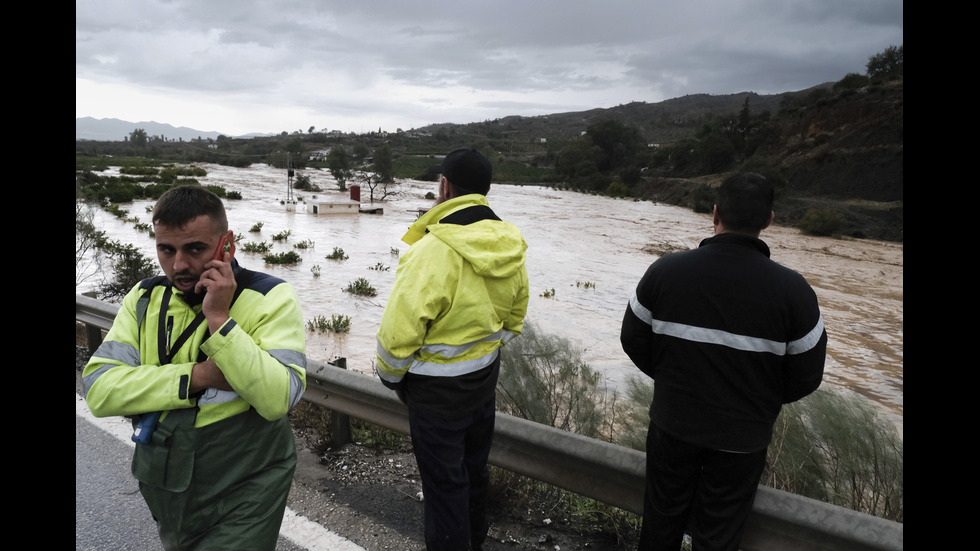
(836, 448)
(289, 257)
(829, 446)
(139, 170)
(217, 190)
(703, 199)
(336, 323)
(129, 267)
(543, 379)
(618, 189)
(361, 287)
(821, 222)
(252, 247)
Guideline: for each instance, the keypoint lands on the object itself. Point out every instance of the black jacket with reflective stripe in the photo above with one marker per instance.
(728, 335)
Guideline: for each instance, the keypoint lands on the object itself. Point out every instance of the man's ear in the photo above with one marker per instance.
(772, 216)
(447, 188)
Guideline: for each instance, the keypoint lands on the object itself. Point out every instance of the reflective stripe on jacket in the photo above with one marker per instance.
(460, 293)
(261, 350)
(729, 336)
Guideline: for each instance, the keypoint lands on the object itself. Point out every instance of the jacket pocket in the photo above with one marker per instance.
(167, 461)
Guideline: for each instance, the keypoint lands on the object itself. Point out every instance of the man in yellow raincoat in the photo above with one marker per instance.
(460, 293)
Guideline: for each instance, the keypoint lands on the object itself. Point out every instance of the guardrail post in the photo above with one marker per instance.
(340, 422)
(93, 334)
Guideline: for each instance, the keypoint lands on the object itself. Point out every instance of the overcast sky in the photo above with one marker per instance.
(242, 66)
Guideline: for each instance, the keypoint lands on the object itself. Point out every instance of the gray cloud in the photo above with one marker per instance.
(241, 66)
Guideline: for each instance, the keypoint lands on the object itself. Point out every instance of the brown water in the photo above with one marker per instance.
(590, 251)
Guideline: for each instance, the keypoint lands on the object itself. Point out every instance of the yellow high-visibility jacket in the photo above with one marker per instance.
(460, 293)
(261, 350)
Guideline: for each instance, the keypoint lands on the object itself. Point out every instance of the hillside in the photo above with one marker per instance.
(831, 149)
(845, 152)
(660, 123)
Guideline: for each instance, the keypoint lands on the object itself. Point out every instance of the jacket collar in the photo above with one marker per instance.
(741, 239)
(418, 228)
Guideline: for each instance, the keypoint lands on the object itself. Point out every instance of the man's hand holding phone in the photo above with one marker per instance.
(218, 282)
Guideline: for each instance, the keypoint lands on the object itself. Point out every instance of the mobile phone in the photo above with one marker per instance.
(226, 244)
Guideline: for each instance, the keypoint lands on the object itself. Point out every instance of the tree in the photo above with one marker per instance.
(619, 143)
(577, 160)
(338, 163)
(88, 240)
(851, 81)
(744, 119)
(138, 137)
(384, 164)
(129, 267)
(361, 151)
(304, 183)
(887, 63)
(717, 153)
(376, 186)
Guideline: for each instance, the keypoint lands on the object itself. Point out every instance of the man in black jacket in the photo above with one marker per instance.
(728, 336)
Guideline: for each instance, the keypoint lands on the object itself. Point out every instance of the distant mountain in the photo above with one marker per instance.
(88, 128)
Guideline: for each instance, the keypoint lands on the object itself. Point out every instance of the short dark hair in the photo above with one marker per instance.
(744, 202)
(468, 171)
(181, 204)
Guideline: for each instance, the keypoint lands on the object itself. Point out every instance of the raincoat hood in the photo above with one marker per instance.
(492, 247)
(460, 293)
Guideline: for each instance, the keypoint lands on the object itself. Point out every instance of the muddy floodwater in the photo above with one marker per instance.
(585, 256)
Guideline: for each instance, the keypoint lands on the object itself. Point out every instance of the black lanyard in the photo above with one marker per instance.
(167, 350)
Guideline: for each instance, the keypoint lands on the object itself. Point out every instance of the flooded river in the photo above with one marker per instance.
(585, 256)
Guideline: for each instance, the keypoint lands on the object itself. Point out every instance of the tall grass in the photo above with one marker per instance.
(830, 446)
(835, 447)
(543, 379)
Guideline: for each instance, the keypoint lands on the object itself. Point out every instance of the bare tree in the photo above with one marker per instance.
(87, 240)
(378, 190)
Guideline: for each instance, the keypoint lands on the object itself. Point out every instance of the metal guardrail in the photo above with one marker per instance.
(780, 521)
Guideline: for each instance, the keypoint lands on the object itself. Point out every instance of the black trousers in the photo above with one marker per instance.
(452, 458)
(706, 493)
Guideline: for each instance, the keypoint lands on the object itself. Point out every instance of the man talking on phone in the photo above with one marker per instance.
(207, 361)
